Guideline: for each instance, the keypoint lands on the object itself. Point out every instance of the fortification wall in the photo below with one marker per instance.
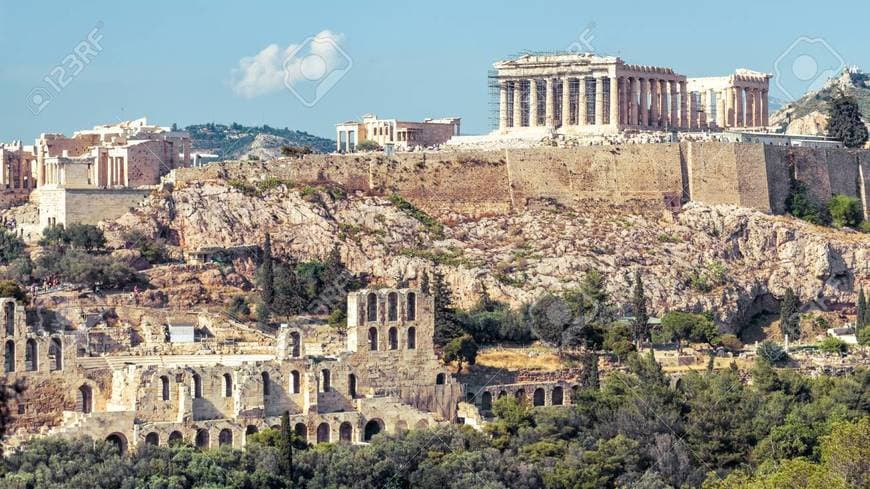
(477, 183)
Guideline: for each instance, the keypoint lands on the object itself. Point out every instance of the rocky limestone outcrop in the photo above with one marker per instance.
(726, 259)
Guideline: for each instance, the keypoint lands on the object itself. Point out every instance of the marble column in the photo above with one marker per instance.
(693, 111)
(632, 100)
(644, 101)
(710, 108)
(614, 101)
(684, 105)
(599, 100)
(518, 103)
(502, 105)
(764, 109)
(675, 108)
(566, 101)
(757, 105)
(750, 107)
(533, 102)
(721, 111)
(738, 103)
(664, 109)
(582, 107)
(702, 110)
(550, 102)
(623, 101)
(731, 111)
(654, 103)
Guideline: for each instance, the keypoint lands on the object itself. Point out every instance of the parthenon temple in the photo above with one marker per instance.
(585, 93)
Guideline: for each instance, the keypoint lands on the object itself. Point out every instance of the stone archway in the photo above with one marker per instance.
(372, 428)
(202, 438)
(119, 441)
(345, 432)
(323, 433)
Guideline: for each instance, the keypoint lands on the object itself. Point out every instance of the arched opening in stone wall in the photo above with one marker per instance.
(439, 379)
(175, 438)
(301, 431)
(520, 395)
(372, 428)
(411, 308)
(201, 439)
(558, 396)
(371, 307)
(373, 339)
(412, 338)
(325, 380)
(295, 345)
(31, 356)
(538, 397)
(197, 386)
(164, 387)
(401, 426)
(86, 399)
(393, 335)
(250, 430)
(9, 356)
(9, 310)
(323, 433)
(351, 385)
(267, 384)
(502, 394)
(152, 439)
(228, 385)
(225, 438)
(486, 401)
(119, 441)
(294, 382)
(55, 355)
(345, 432)
(392, 306)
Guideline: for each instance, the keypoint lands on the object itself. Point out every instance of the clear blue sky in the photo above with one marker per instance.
(175, 61)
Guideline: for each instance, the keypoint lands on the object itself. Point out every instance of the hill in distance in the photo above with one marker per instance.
(809, 114)
(236, 141)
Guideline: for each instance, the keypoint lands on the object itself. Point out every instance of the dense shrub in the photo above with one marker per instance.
(11, 246)
(845, 211)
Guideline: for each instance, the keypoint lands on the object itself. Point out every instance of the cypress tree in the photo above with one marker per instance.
(446, 326)
(267, 273)
(641, 317)
(845, 122)
(789, 316)
(861, 314)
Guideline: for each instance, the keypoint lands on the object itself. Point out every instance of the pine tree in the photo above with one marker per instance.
(789, 316)
(641, 317)
(446, 326)
(845, 122)
(861, 314)
(267, 273)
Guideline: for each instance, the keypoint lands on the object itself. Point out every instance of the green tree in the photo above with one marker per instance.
(845, 121)
(789, 316)
(550, 317)
(861, 312)
(681, 326)
(833, 345)
(845, 211)
(263, 315)
(54, 236)
(846, 451)
(461, 349)
(238, 307)
(771, 352)
(640, 324)
(85, 236)
(11, 246)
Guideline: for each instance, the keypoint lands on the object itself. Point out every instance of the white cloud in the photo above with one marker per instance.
(264, 72)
